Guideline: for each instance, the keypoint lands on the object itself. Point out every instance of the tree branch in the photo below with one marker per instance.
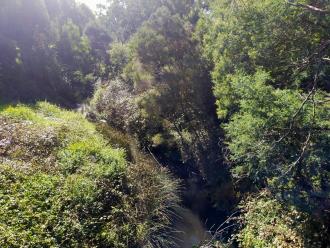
(306, 144)
(308, 7)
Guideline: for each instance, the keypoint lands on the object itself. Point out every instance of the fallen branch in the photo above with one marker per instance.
(153, 156)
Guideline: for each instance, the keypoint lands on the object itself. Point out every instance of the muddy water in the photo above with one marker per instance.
(189, 230)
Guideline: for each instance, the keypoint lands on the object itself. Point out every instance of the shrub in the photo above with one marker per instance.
(63, 185)
(267, 222)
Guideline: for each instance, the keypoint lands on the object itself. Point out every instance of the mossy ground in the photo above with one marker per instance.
(63, 185)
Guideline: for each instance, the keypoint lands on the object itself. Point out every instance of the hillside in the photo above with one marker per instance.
(63, 185)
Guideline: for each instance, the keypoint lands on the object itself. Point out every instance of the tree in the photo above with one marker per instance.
(35, 63)
(171, 95)
(271, 82)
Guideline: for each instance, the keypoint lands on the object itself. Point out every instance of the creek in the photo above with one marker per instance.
(189, 230)
(192, 221)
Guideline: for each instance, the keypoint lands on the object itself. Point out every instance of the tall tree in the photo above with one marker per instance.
(272, 87)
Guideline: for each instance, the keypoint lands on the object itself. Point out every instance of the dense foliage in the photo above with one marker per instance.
(271, 77)
(62, 185)
(231, 96)
(160, 91)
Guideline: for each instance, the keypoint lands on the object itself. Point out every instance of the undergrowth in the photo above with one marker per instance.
(63, 184)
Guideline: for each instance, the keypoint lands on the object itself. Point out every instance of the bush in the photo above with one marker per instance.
(63, 185)
(267, 222)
